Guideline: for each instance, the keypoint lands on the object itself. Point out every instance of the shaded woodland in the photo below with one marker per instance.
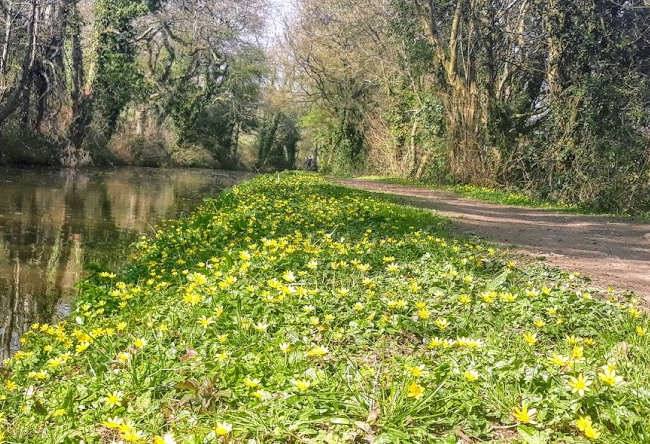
(144, 82)
(552, 97)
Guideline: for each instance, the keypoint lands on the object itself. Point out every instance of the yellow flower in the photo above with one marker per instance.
(572, 340)
(167, 439)
(464, 299)
(524, 415)
(205, 321)
(417, 371)
(251, 383)
(641, 331)
(222, 428)
(583, 422)
(577, 354)
(608, 376)
(442, 323)
(530, 338)
(132, 436)
(259, 394)
(392, 268)
(113, 423)
(415, 390)
(488, 296)
(302, 384)
(139, 343)
(471, 375)
(591, 432)
(261, 327)
(318, 351)
(579, 385)
(559, 360)
(285, 347)
(289, 276)
(10, 385)
(114, 399)
(423, 313)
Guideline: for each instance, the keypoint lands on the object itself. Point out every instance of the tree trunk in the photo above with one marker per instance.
(12, 103)
(4, 59)
(82, 101)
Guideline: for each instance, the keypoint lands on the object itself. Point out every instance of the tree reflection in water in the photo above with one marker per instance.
(54, 222)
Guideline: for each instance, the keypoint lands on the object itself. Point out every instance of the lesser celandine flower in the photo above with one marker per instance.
(302, 384)
(113, 423)
(523, 414)
(133, 436)
(415, 390)
(251, 382)
(114, 399)
(609, 376)
(416, 371)
(167, 439)
(579, 385)
(205, 321)
(318, 351)
(222, 428)
(591, 432)
(442, 323)
(577, 354)
(530, 338)
(559, 360)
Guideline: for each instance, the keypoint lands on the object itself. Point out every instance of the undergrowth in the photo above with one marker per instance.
(291, 310)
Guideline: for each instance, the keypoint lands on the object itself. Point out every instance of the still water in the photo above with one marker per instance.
(55, 222)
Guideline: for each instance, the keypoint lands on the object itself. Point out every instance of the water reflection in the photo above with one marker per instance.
(53, 222)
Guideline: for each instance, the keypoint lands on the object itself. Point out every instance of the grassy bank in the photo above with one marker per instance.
(290, 310)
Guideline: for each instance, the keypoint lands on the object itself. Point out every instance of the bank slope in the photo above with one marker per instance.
(291, 310)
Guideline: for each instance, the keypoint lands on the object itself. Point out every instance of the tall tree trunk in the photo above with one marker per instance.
(554, 19)
(13, 101)
(4, 59)
(82, 100)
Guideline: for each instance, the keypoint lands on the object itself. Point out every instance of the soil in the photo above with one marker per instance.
(609, 251)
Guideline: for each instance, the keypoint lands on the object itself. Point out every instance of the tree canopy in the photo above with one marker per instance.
(547, 96)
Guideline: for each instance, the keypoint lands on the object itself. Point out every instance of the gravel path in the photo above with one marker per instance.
(612, 252)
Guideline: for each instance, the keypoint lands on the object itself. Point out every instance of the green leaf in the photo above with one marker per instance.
(497, 281)
(531, 436)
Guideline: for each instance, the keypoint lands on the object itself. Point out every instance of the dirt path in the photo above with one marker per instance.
(610, 251)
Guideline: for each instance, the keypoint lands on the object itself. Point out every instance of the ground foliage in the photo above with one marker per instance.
(292, 310)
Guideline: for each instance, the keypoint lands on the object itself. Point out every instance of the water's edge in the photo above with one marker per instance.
(54, 223)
